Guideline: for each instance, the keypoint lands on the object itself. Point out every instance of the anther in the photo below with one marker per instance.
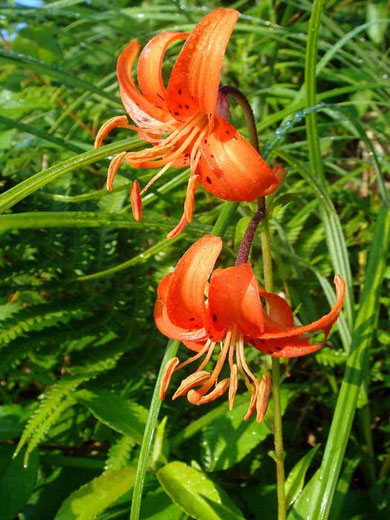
(113, 168)
(136, 201)
(195, 379)
(263, 395)
(169, 369)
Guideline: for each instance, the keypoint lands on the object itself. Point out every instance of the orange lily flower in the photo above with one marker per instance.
(231, 314)
(186, 123)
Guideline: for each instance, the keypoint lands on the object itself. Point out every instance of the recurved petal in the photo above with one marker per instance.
(194, 82)
(234, 300)
(286, 347)
(141, 111)
(230, 168)
(186, 301)
(279, 315)
(149, 67)
(325, 323)
(169, 329)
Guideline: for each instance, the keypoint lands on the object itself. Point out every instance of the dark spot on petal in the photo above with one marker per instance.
(212, 156)
(187, 106)
(181, 106)
(208, 180)
(214, 317)
(160, 96)
(227, 132)
(191, 319)
(176, 113)
(179, 91)
(205, 141)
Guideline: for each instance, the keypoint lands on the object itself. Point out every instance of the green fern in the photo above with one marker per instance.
(119, 453)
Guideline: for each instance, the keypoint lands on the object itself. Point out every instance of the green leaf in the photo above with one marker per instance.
(12, 421)
(93, 498)
(342, 488)
(296, 477)
(229, 439)
(158, 506)
(376, 12)
(16, 485)
(115, 411)
(325, 482)
(196, 494)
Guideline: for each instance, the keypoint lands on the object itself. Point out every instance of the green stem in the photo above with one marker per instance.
(147, 439)
(278, 432)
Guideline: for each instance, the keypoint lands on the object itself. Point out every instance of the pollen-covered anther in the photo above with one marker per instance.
(179, 228)
(193, 397)
(169, 369)
(263, 395)
(136, 201)
(108, 126)
(195, 379)
(252, 403)
(189, 203)
(219, 390)
(113, 168)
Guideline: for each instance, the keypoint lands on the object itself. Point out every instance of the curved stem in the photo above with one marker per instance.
(246, 244)
(248, 112)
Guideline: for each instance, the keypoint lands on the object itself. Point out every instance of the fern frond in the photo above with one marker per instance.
(119, 453)
(53, 403)
(35, 319)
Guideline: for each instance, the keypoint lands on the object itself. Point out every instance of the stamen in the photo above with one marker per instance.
(220, 362)
(197, 356)
(197, 378)
(108, 126)
(166, 150)
(252, 403)
(189, 202)
(113, 168)
(232, 346)
(136, 201)
(263, 395)
(166, 377)
(179, 228)
(155, 177)
(207, 358)
(219, 390)
(240, 349)
(193, 397)
(233, 386)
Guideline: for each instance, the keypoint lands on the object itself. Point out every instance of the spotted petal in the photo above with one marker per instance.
(234, 300)
(194, 82)
(230, 168)
(186, 292)
(149, 67)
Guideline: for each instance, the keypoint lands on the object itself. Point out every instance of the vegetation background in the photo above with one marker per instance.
(79, 349)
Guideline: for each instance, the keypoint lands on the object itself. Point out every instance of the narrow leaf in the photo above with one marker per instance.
(197, 495)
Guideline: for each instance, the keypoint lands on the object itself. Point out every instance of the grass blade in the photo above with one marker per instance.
(321, 499)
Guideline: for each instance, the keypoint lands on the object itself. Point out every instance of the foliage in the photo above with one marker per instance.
(79, 350)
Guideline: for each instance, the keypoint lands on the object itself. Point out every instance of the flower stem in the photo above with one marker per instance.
(279, 454)
(246, 244)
